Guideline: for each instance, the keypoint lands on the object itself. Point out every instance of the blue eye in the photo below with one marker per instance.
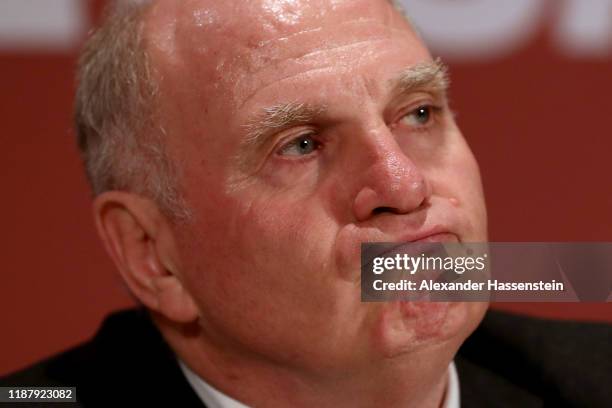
(421, 116)
(300, 146)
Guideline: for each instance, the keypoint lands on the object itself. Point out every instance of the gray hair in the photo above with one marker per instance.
(116, 100)
(121, 146)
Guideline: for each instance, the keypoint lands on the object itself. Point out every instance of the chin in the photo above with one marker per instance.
(407, 327)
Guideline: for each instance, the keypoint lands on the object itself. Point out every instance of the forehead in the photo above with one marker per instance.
(230, 46)
(251, 22)
(220, 63)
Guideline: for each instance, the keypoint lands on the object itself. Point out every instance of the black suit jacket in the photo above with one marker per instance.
(509, 361)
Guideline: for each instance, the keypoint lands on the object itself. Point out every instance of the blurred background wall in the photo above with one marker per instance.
(532, 87)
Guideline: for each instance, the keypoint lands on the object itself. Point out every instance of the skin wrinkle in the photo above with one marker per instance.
(293, 76)
(271, 58)
(352, 29)
(277, 118)
(272, 119)
(272, 67)
(248, 58)
(426, 76)
(263, 44)
(368, 22)
(340, 47)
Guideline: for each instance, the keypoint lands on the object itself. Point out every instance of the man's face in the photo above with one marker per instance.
(302, 129)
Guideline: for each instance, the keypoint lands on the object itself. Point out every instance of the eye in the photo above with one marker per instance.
(300, 146)
(419, 117)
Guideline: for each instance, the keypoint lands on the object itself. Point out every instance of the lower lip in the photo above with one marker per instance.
(442, 237)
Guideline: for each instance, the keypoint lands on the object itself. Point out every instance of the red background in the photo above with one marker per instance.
(538, 122)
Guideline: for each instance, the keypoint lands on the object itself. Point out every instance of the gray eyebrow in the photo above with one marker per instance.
(431, 75)
(277, 118)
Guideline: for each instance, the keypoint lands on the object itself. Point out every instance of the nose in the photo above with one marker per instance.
(391, 182)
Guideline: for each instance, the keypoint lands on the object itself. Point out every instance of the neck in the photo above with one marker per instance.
(418, 379)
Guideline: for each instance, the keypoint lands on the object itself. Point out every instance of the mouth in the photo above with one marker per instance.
(435, 234)
(439, 237)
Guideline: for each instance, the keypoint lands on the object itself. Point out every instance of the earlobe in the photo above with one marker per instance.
(174, 302)
(138, 238)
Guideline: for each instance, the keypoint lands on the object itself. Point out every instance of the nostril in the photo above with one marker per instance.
(380, 210)
(392, 210)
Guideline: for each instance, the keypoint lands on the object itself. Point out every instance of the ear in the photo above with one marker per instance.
(141, 243)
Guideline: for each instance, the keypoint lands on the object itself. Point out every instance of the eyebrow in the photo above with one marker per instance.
(277, 118)
(431, 75)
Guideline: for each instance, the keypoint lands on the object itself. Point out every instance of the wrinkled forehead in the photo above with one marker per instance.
(225, 46)
(207, 25)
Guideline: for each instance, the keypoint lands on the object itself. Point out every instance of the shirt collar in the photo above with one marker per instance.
(213, 398)
(452, 398)
(210, 396)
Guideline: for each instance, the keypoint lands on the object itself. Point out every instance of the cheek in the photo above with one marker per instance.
(455, 176)
(465, 178)
(277, 231)
(262, 251)
(470, 189)
(277, 274)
